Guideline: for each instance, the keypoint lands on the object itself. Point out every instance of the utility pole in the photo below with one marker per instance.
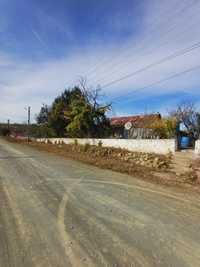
(8, 124)
(29, 120)
(8, 127)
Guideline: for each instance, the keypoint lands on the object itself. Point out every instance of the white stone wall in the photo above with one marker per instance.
(159, 146)
(197, 147)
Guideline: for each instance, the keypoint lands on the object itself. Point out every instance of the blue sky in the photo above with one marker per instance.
(45, 46)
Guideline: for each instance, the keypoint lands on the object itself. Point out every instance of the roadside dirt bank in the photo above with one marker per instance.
(122, 161)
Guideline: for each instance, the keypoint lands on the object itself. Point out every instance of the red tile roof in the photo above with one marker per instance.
(137, 121)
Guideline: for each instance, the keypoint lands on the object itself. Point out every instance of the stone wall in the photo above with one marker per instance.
(158, 146)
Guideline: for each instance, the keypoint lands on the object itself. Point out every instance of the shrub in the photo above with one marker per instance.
(42, 131)
(100, 143)
(75, 142)
(5, 132)
(165, 128)
(86, 147)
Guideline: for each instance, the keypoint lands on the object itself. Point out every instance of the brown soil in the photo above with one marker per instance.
(116, 160)
(196, 168)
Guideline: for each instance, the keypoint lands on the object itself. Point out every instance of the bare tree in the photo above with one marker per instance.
(93, 95)
(187, 114)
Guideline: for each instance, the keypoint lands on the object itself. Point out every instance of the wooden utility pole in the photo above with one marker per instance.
(29, 120)
(8, 124)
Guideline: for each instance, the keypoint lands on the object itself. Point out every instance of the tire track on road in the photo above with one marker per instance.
(75, 259)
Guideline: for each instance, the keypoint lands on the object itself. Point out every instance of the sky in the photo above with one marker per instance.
(144, 54)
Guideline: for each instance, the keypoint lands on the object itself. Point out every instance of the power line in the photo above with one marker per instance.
(163, 60)
(155, 28)
(180, 11)
(131, 61)
(106, 60)
(158, 82)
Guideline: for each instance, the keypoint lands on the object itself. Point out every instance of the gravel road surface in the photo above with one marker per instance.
(57, 213)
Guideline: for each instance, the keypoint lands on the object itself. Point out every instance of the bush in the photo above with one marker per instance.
(86, 147)
(165, 128)
(100, 143)
(5, 132)
(42, 131)
(75, 142)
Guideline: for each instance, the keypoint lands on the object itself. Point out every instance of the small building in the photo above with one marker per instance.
(134, 127)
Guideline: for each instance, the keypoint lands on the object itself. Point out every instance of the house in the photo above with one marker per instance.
(134, 127)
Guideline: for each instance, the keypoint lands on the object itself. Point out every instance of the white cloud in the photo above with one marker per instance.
(166, 27)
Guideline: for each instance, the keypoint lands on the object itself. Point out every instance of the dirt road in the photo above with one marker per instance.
(57, 212)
